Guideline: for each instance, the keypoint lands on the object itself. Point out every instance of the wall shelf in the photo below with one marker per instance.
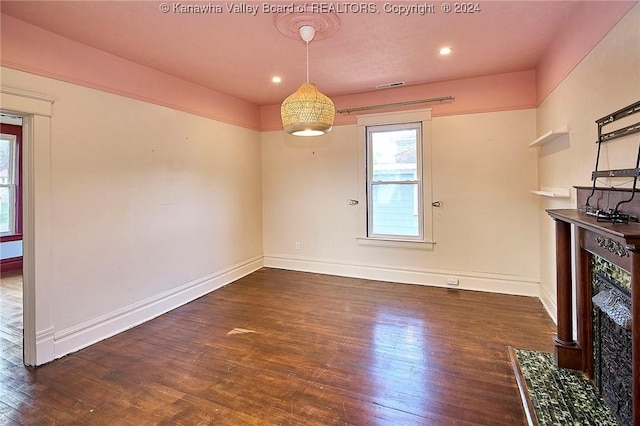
(549, 136)
(552, 192)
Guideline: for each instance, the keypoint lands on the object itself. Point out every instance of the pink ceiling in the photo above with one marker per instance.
(238, 53)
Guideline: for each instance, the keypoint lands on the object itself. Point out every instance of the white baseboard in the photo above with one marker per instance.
(493, 283)
(549, 303)
(45, 350)
(51, 345)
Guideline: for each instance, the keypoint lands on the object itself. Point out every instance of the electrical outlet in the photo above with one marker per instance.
(298, 245)
(453, 281)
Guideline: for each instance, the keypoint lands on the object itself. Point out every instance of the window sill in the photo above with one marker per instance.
(13, 237)
(411, 245)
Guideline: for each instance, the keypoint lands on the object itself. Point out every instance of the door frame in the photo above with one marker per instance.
(36, 111)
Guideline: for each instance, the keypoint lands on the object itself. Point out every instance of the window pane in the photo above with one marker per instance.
(5, 160)
(394, 155)
(394, 209)
(6, 202)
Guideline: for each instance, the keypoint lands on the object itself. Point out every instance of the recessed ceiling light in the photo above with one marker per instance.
(445, 51)
(276, 79)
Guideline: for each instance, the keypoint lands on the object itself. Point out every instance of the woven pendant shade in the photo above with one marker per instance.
(307, 112)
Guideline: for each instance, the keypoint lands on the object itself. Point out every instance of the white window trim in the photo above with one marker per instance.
(419, 115)
(11, 185)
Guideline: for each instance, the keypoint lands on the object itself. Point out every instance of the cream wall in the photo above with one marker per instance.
(142, 208)
(149, 208)
(486, 233)
(606, 80)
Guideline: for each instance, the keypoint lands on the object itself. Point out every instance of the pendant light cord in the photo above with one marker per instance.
(307, 61)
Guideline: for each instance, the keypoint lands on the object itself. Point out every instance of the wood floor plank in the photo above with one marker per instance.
(292, 348)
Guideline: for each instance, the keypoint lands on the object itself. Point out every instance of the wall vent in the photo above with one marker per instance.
(389, 85)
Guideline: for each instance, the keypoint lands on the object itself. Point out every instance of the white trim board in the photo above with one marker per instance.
(79, 336)
(56, 344)
(477, 281)
(36, 111)
(549, 304)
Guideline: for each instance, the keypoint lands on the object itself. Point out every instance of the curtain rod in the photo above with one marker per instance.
(395, 104)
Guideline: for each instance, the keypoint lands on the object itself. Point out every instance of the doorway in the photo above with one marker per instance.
(36, 112)
(11, 283)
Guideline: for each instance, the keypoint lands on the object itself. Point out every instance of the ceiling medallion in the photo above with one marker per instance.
(325, 24)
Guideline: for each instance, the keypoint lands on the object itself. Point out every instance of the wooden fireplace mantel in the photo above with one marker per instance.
(619, 244)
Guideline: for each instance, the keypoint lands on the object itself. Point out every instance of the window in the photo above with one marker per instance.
(396, 179)
(10, 173)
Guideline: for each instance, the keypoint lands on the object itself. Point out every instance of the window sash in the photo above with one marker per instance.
(417, 210)
(7, 191)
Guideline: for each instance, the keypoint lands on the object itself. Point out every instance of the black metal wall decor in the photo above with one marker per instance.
(614, 215)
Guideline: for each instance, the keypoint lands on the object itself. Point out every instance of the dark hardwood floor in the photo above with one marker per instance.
(291, 348)
(11, 318)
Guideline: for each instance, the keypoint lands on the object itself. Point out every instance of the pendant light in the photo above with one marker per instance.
(307, 112)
